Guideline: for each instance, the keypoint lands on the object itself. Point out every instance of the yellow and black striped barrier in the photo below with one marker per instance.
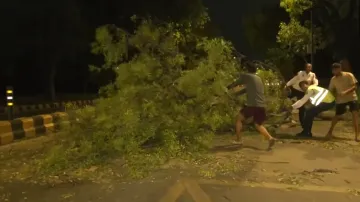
(30, 127)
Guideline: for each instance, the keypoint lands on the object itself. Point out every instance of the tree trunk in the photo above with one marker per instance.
(85, 86)
(52, 76)
(352, 10)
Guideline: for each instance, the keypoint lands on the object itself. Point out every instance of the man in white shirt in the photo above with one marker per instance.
(295, 89)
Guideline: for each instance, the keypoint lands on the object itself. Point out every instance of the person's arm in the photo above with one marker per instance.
(293, 80)
(332, 88)
(240, 92)
(350, 90)
(302, 101)
(315, 81)
(353, 87)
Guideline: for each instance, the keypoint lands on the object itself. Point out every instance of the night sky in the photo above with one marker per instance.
(28, 48)
(24, 24)
(228, 14)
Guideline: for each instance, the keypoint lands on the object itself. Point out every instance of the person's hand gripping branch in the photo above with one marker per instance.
(236, 88)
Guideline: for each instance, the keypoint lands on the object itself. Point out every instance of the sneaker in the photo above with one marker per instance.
(235, 142)
(303, 134)
(271, 143)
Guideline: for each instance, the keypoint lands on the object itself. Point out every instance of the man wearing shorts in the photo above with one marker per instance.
(295, 89)
(255, 104)
(344, 85)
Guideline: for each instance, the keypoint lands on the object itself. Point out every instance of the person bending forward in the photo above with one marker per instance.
(296, 91)
(321, 100)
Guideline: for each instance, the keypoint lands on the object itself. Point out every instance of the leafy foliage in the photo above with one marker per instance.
(261, 28)
(282, 59)
(171, 92)
(335, 16)
(169, 96)
(273, 91)
(296, 7)
(294, 36)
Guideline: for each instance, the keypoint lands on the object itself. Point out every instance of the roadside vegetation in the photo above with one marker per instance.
(168, 100)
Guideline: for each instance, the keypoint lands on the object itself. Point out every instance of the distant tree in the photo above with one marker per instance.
(68, 36)
(331, 18)
(55, 34)
(261, 28)
(295, 37)
(340, 20)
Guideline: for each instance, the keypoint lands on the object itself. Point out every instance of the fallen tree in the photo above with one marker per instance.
(169, 93)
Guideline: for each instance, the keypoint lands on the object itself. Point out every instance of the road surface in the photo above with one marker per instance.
(296, 171)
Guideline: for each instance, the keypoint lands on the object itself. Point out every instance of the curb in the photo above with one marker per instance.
(36, 107)
(30, 127)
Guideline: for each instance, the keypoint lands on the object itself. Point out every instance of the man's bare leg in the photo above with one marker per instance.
(333, 124)
(238, 127)
(263, 131)
(355, 118)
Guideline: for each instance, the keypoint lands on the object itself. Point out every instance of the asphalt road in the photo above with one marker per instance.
(296, 171)
(167, 191)
(259, 194)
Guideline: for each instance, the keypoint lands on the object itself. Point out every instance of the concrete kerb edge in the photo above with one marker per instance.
(29, 127)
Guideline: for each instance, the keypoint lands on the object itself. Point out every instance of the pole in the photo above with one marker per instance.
(10, 102)
(312, 37)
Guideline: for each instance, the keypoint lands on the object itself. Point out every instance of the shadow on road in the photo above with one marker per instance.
(232, 148)
(286, 136)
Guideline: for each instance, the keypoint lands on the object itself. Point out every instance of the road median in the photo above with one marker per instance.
(30, 127)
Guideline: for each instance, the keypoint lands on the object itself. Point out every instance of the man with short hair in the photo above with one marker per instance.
(296, 91)
(344, 85)
(321, 100)
(255, 104)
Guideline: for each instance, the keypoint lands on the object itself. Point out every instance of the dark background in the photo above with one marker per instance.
(45, 41)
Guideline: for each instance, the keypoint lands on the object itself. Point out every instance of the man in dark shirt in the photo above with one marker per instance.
(255, 103)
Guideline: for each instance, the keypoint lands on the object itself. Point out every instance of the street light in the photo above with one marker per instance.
(310, 47)
(312, 33)
(358, 17)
